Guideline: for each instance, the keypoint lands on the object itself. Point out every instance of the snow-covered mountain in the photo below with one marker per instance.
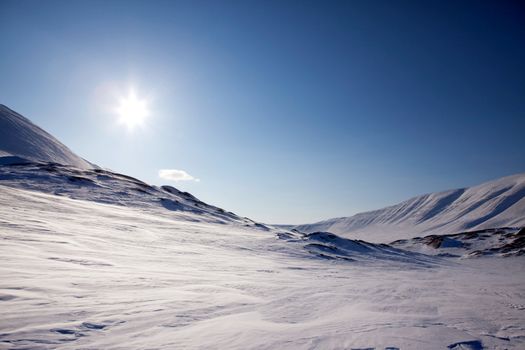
(32, 159)
(19, 137)
(497, 203)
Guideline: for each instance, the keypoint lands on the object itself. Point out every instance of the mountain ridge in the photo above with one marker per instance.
(495, 203)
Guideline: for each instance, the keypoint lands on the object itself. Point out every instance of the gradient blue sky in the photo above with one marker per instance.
(287, 111)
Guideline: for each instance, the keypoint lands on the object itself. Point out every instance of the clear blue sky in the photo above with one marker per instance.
(287, 111)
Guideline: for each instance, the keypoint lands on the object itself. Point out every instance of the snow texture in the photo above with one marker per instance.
(79, 274)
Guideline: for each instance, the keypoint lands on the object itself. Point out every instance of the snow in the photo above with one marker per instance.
(21, 138)
(80, 274)
(497, 203)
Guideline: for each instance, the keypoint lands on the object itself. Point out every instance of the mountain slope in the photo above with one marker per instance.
(496, 203)
(104, 186)
(32, 159)
(19, 137)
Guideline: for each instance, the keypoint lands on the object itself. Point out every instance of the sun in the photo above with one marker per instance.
(132, 110)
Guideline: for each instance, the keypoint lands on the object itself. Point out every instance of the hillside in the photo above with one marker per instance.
(19, 137)
(497, 203)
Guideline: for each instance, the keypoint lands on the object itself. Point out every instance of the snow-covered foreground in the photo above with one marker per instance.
(84, 275)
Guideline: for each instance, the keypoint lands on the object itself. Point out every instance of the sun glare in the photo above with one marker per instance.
(132, 110)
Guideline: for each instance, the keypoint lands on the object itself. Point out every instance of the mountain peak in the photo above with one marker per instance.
(19, 137)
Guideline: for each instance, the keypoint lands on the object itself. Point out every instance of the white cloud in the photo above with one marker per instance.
(176, 175)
